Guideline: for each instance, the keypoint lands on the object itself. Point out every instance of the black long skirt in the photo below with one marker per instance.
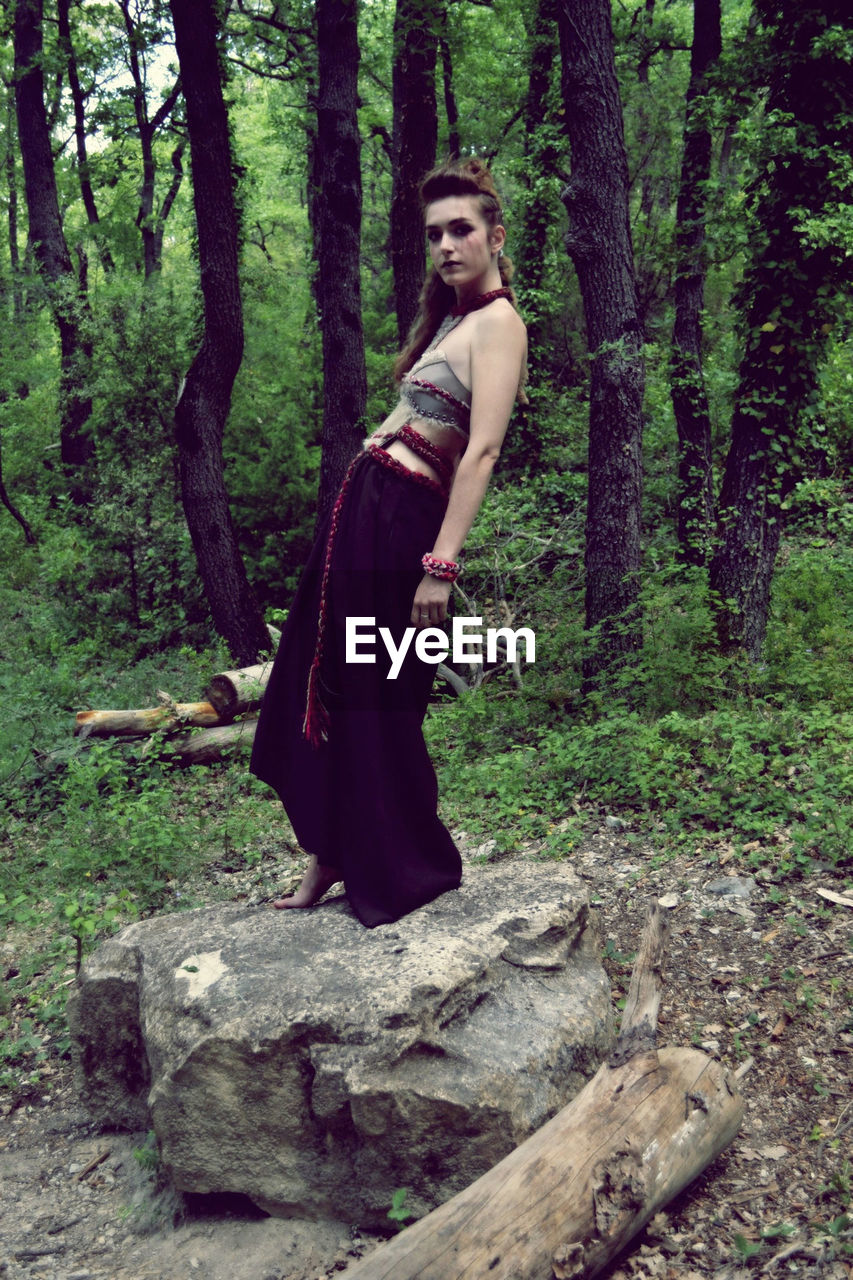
(364, 800)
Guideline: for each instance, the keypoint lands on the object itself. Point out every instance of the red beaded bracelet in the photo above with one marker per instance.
(447, 570)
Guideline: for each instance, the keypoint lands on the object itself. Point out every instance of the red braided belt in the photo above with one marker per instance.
(439, 459)
(315, 726)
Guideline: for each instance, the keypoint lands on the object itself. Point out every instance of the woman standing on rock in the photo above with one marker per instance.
(340, 741)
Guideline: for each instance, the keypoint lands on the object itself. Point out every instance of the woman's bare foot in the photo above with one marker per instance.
(316, 881)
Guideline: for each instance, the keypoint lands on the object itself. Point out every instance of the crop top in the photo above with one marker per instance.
(432, 390)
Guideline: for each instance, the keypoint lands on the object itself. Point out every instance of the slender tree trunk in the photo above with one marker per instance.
(148, 220)
(540, 161)
(206, 397)
(146, 142)
(5, 500)
(63, 11)
(647, 186)
(12, 210)
(168, 201)
(337, 212)
(794, 289)
(535, 217)
(50, 250)
(415, 136)
(741, 102)
(599, 244)
(689, 401)
(451, 107)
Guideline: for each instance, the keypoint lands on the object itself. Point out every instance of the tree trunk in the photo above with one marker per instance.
(209, 745)
(569, 1199)
(206, 396)
(451, 107)
(414, 139)
(337, 176)
(144, 722)
(148, 220)
(599, 244)
(29, 536)
(166, 207)
(63, 12)
(12, 210)
(794, 289)
(689, 402)
(70, 310)
(541, 137)
(645, 21)
(233, 692)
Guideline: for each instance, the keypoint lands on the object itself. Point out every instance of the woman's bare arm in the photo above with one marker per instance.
(498, 346)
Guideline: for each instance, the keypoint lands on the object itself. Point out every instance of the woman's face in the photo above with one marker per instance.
(462, 246)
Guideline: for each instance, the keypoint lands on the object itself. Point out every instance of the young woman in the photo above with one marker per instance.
(341, 741)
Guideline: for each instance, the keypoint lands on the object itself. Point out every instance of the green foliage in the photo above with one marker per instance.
(147, 1156)
(398, 1213)
(691, 744)
(691, 748)
(745, 1248)
(727, 775)
(92, 837)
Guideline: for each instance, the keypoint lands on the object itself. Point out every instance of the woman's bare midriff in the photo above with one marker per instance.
(444, 438)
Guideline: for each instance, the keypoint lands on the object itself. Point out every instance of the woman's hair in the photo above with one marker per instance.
(468, 177)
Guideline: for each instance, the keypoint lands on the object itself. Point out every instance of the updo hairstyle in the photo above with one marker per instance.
(466, 177)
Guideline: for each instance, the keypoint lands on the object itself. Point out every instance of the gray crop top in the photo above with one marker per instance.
(432, 390)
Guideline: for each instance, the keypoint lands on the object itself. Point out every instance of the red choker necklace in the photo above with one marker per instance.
(482, 300)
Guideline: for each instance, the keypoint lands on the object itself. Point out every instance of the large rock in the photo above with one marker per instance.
(317, 1066)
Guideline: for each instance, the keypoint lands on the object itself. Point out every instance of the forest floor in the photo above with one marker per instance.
(757, 974)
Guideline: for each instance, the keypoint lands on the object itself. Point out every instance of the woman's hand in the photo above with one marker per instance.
(429, 608)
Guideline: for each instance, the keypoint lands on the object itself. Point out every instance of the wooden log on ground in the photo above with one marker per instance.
(210, 745)
(233, 692)
(138, 724)
(568, 1200)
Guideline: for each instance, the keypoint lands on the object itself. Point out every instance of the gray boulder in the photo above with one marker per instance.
(317, 1066)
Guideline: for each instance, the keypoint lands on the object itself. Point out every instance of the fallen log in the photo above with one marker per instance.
(138, 724)
(208, 745)
(569, 1199)
(233, 692)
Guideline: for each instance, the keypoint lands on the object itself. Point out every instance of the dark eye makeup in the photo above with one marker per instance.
(455, 229)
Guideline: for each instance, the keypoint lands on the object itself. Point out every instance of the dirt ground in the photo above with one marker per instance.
(757, 975)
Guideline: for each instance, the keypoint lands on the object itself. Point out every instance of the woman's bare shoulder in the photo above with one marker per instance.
(499, 322)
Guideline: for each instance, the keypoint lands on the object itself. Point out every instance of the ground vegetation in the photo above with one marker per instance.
(721, 737)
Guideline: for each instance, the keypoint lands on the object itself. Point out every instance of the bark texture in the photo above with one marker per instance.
(794, 289)
(689, 401)
(414, 139)
(145, 721)
(233, 692)
(337, 222)
(68, 303)
(599, 244)
(204, 402)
